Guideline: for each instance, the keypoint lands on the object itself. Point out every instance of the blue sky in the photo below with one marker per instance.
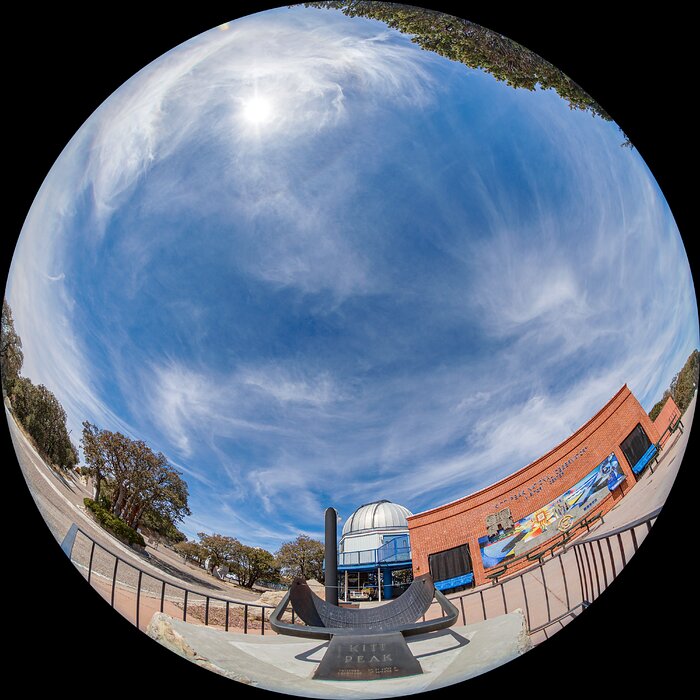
(316, 265)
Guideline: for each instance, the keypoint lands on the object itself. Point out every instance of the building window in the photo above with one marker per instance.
(636, 446)
(451, 569)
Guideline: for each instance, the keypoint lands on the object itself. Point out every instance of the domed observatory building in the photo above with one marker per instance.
(374, 553)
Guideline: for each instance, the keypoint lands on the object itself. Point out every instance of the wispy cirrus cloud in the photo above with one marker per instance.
(317, 266)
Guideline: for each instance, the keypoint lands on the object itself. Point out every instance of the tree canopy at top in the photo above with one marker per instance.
(474, 46)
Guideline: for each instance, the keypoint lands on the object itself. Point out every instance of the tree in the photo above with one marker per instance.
(11, 355)
(219, 549)
(253, 564)
(191, 551)
(653, 414)
(43, 417)
(686, 381)
(302, 557)
(136, 479)
(162, 526)
(474, 46)
(682, 387)
(94, 459)
(248, 564)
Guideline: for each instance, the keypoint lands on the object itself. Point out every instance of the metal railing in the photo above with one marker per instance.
(550, 593)
(397, 550)
(553, 592)
(133, 591)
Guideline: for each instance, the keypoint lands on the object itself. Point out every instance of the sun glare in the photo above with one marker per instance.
(257, 110)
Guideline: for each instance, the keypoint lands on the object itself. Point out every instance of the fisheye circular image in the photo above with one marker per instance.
(350, 350)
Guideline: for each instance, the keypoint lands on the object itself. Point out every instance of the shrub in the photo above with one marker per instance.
(113, 524)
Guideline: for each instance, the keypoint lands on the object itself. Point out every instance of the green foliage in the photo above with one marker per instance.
(219, 549)
(248, 564)
(683, 386)
(137, 480)
(402, 576)
(160, 524)
(302, 557)
(656, 409)
(113, 524)
(252, 564)
(11, 356)
(685, 382)
(43, 417)
(191, 551)
(474, 46)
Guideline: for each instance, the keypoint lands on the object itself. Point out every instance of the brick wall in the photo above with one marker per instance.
(668, 414)
(534, 486)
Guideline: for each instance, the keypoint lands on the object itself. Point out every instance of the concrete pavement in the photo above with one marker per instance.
(286, 664)
(59, 499)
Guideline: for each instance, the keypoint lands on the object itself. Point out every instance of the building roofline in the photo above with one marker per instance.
(620, 395)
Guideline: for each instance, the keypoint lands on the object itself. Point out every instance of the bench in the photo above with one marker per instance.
(539, 555)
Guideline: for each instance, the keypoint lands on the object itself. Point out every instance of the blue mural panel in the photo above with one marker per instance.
(558, 516)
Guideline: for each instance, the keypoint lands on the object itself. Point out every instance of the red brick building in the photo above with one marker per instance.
(668, 416)
(462, 542)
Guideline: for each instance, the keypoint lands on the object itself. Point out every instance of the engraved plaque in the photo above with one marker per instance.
(358, 657)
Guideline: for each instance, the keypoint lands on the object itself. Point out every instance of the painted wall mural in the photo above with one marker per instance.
(556, 517)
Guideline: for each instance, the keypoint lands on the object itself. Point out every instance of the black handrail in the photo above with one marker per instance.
(69, 541)
(644, 520)
(594, 574)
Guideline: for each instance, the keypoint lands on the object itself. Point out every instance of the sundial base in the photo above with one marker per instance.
(366, 657)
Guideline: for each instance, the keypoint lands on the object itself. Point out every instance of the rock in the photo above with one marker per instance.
(318, 588)
(161, 628)
(271, 598)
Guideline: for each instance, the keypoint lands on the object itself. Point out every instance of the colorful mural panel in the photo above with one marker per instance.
(558, 516)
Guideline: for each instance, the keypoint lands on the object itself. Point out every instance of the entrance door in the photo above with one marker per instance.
(636, 448)
(451, 570)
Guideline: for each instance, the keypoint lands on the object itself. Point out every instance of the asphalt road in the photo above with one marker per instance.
(59, 499)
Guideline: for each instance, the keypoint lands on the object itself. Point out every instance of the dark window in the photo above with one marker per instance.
(635, 445)
(450, 564)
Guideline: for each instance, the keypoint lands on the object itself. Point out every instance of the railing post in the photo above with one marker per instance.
(184, 607)
(595, 567)
(226, 623)
(162, 596)
(622, 549)
(92, 554)
(114, 580)
(527, 607)
(566, 587)
(461, 605)
(245, 618)
(69, 540)
(612, 559)
(546, 594)
(138, 598)
(590, 570)
(206, 612)
(580, 572)
(602, 563)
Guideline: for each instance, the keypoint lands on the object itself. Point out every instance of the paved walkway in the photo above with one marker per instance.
(286, 664)
(59, 499)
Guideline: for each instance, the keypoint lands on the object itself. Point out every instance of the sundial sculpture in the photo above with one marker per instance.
(365, 644)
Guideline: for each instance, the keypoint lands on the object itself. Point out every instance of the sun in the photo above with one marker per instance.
(257, 110)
